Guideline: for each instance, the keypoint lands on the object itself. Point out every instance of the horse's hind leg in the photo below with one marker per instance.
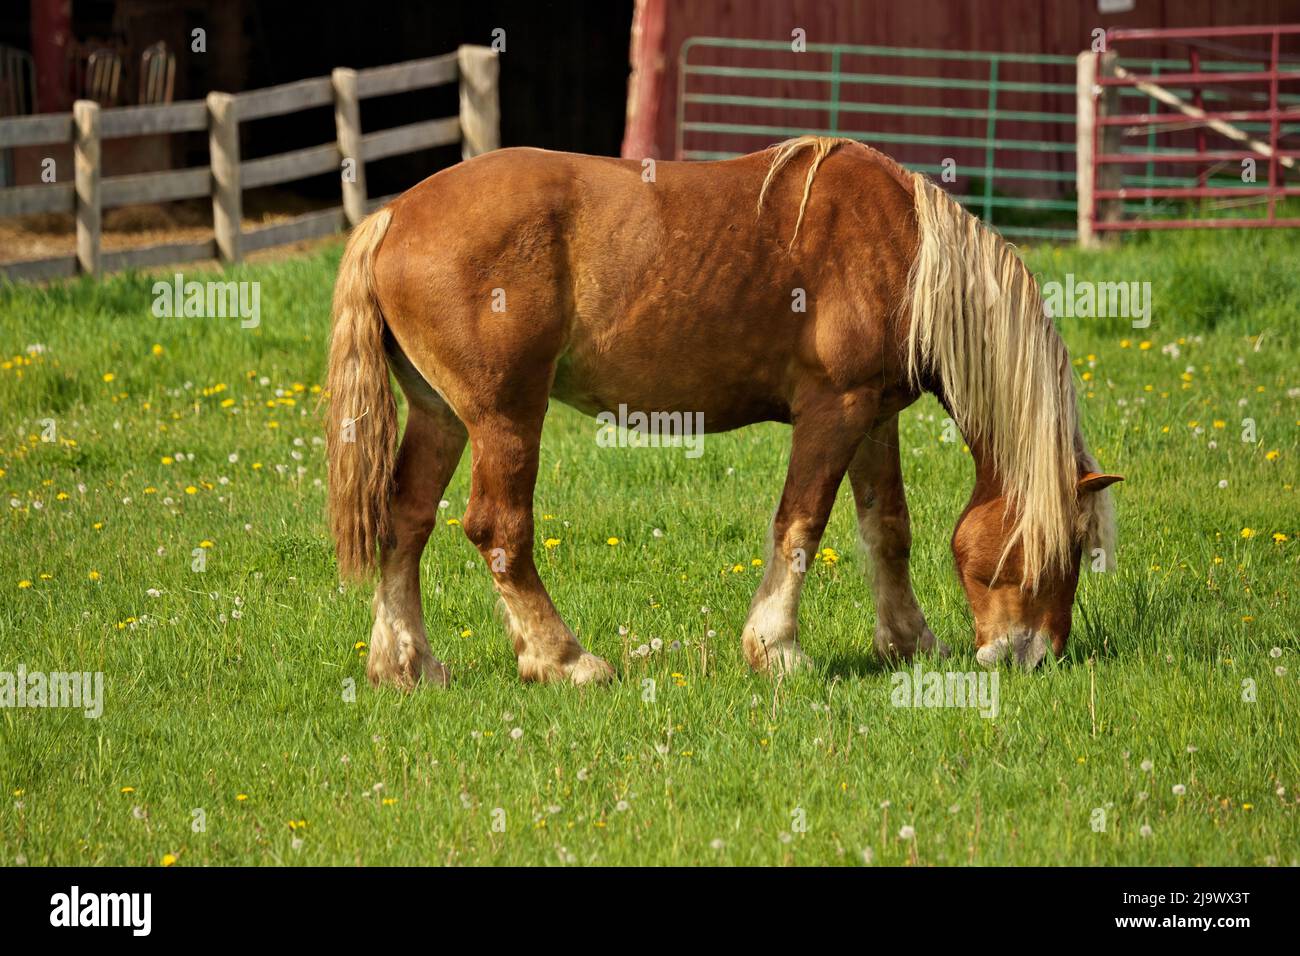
(885, 528)
(399, 644)
(499, 521)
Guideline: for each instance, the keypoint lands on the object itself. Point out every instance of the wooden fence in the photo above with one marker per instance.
(476, 128)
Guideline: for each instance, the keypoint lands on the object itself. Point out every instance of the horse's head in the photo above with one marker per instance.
(1009, 617)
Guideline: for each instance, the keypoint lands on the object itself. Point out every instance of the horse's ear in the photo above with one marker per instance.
(1095, 481)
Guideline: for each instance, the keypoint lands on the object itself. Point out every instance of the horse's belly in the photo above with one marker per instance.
(625, 390)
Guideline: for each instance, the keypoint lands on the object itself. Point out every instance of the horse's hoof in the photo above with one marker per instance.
(991, 654)
(590, 669)
(1027, 648)
(780, 657)
(929, 644)
(408, 671)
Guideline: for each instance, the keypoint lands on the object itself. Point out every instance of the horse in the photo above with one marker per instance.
(524, 275)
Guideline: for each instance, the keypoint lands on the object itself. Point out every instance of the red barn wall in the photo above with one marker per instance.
(1026, 26)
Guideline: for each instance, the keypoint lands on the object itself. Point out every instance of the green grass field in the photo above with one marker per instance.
(1175, 710)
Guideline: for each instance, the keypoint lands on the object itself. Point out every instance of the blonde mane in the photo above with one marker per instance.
(979, 326)
(782, 153)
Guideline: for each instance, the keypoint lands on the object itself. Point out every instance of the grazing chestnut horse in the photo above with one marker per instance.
(525, 275)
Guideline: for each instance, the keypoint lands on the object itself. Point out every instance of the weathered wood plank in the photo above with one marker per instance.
(480, 109)
(347, 129)
(162, 254)
(35, 130)
(86, 158)
(402, 77)
(181, 117)
(286, 98)
(157, 187)
(413, 136)
(38, 270)
(26, 200)
(311, 226)
(223, 153)
(298, 164)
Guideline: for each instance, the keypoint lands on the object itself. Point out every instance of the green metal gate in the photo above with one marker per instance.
(1023, 173)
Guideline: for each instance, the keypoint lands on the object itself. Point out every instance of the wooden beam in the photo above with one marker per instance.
(86, 158)
(284, 167)
(35, 130)
(147, 120)
(403, 77)
(26, 200)
(347, 126)
(157, 187)
(412, 136)
(1085, 116)
(227, 195)
(480, 109)
(286, 98)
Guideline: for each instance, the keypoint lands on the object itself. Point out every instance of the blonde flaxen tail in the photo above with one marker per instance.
(361, 430)
(979, 327)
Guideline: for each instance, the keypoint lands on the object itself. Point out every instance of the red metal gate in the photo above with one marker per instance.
(1240, 101)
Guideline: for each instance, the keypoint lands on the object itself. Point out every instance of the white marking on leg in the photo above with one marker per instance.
(772, 626)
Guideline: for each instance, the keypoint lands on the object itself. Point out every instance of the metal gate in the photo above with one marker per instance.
(1239, 101)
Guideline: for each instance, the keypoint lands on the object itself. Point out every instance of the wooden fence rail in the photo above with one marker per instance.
(476, 128)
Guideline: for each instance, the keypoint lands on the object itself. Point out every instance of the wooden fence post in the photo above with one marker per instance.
(1085, 80)
(1109, 138)
(223, 150)
(480, 109)
(347, 125)
(86, 161)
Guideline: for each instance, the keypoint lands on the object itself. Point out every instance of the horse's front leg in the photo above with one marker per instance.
(828, 428)
(886, 530)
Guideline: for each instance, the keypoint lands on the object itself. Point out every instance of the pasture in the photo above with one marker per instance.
(170, 534)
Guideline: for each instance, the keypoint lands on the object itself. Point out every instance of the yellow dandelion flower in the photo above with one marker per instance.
(241, 797)
(205, 543)
(169, 859)
(24, 583)
(157, 349)
(1124, 343)
(453, 521)
(93, 575)
(128, 790)
(1248, 532)
(168, 460)
(1279, 537)
(757, 562)
(551, 543)
(108, 376)
(1144, 346)
(191, 490)
(1273, 455)
(611, 541)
